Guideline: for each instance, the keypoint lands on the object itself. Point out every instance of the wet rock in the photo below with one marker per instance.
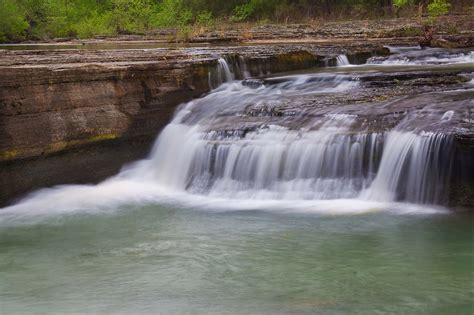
(253, 83)
(461, 187)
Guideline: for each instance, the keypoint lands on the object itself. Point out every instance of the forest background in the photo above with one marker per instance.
(22, 20)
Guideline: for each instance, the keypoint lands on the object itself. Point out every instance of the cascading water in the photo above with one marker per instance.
(291, 157)
(223, 74)
(270, 162)
(423, 56)
(269, 140)
(414, 167)
(223, 71)
(342, 60)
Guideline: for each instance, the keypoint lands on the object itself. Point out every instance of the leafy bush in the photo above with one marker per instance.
(254, 8)
(243, 12)
(438, 8)
(13, 24)
(205, 18)
(130, 16)
(401, 3)
(97, 24)
(172, 13)
(39, 19)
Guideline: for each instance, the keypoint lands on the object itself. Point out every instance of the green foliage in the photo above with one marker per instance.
(42, 19)
(253, 9)
(130, 16)
(244, 11)
(438, 8)
(401, 3)
(172, 13)
(205, 19)
(96, 24)
(13, 23)
(435, 8)
(36, 11)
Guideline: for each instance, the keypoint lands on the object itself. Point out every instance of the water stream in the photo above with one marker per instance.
(257, 140)
(233, 211)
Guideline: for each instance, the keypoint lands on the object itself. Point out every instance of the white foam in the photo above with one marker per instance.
(315, 169)
(413, 56)
(112, 195)
(342, 61)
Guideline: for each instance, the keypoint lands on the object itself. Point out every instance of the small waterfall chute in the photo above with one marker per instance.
(342, 61)
(414, 167)
(223, 71)
(221, 74)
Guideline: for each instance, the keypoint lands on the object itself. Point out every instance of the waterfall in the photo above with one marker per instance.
(342, 60)
(206, 150)
(243, 66)
(277, 163)
(223, 71)
(271, 162)
(414, 167)
(281, 139)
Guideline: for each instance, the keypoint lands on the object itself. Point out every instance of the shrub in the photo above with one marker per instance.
(97, 24)
(13, 24)
(130, 16)
(438, 8)
(205, 19)
(172, 13)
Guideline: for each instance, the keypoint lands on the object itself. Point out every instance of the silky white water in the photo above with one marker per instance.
(314, 161)
(423, 56)
(342, 61)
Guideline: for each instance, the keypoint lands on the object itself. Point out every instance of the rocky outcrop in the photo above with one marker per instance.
(76, 116)
(456, 29)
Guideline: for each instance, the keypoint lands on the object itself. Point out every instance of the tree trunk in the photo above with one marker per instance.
(328, 7)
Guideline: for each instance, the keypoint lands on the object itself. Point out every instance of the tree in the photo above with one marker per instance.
(13, 24)
(435, 8)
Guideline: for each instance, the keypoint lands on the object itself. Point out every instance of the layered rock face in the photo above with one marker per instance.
(76, 116)
(48, 110)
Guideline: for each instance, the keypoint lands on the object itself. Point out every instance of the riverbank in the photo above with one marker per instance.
(455, 30)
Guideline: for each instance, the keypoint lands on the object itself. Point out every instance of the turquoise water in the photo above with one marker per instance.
(158, 259)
